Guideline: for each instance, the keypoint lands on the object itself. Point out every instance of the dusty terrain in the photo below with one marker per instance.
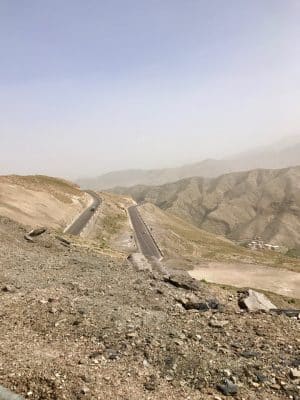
(280, 281)
(240, 205)
(215, 259)
(40, 200)
(77, 324)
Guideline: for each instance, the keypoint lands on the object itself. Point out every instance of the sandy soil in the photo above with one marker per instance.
(38, 207)
(280, 281)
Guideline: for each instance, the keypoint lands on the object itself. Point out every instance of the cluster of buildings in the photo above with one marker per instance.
(258, 244)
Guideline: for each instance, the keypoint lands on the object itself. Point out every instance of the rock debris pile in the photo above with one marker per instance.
(79, 325)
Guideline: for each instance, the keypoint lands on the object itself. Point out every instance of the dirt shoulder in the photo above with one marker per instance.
(77, 324)
(112, 229)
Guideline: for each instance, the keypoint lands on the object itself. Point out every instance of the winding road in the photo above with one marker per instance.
(144, 238)
(77, 226)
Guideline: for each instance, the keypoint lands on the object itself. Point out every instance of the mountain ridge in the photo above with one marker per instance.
(237, 205)
(275, 156)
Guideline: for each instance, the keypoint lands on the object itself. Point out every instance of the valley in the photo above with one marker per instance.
(88, 316)
(149, 200)
(239, 206)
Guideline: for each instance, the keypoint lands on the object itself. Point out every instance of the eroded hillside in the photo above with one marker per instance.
(238, 205)
(40, 200)
(186, 246)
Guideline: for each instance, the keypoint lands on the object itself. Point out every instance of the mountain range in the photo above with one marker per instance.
(238, 205)
(282, 154)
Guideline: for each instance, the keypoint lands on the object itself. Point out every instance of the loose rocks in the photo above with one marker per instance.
(183, 281)
(228, 388)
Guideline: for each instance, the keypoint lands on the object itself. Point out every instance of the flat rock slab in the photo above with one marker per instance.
(183, 282)
(6, 394)
(37, 232)
(255, 301)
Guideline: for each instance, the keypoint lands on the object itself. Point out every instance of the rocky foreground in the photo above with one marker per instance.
(79, 325)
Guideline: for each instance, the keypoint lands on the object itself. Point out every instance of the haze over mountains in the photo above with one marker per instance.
(282, 154)
(238, 205)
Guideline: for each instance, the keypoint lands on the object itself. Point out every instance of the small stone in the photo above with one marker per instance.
(261, 378)
(275, 386)
(37, 232)
(228, 388)
(8, 289)
(196, 306)
(28, 238)
(145, 363)
(178, 342)
(131, 335)
(295, 362)
(218, 324)
(85, 390)
(295, 373)
(112, 354)
(249, 354)
(151, 383)
(95, 355)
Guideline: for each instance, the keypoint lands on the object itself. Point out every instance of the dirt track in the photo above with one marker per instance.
(275, 280)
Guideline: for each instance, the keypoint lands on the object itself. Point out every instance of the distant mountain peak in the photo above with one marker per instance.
(281, 154)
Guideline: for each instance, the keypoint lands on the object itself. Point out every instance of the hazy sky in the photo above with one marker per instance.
(90, 86)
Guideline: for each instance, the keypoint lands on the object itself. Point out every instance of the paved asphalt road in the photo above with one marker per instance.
(86, 215)
(145, 240)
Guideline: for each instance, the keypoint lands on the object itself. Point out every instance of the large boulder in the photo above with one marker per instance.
(255, 301)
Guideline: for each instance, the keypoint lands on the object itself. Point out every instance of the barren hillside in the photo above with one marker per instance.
(40, 200)
(238, 205)
(185, 246)
(77, 324)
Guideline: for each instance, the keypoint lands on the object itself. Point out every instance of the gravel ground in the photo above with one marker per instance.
(76, 324)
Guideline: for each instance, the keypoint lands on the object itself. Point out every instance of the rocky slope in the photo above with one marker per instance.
(40, 200)
(282, 154)
(76, 324)
(239, 205)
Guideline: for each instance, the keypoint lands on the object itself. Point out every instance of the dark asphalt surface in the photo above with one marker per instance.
(83, 219)
(145, 240)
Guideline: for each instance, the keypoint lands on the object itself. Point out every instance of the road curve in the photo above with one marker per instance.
(77, 226)
(144, 238)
